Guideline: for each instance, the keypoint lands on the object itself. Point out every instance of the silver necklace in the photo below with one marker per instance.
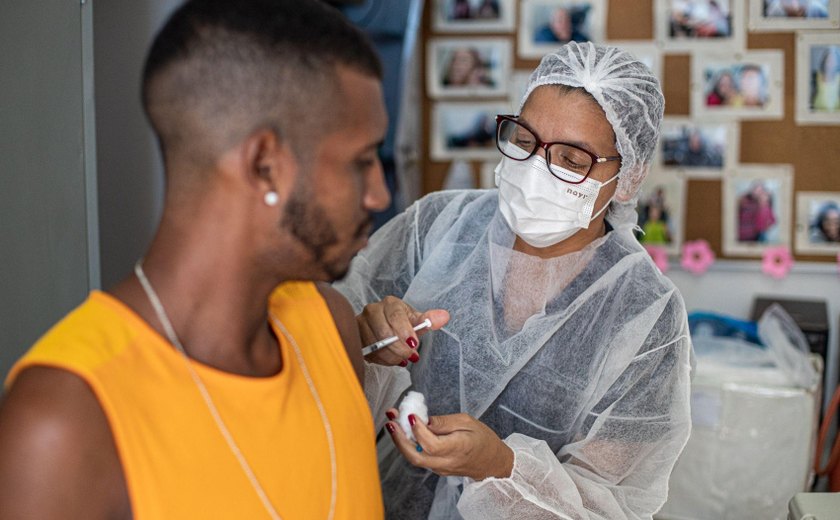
(214, 412)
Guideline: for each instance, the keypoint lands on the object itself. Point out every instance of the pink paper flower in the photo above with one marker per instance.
(776, 262)
(659, 256)
(697, 256)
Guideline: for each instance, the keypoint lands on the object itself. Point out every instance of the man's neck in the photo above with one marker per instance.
(212, 294)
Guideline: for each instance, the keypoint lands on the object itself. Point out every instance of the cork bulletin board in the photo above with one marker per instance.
(808, 150)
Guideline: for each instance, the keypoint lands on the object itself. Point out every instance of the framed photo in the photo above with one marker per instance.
(465, 130)
(756, 208)
(697, 149)
(473, 16)
(661, 210)
(738, 86)
(487, 175)
(475, 67)
(645, 51)
(818, 222)
(518, 85)
(544, 25)
(818, 78)
(688, 25)
(791, 15)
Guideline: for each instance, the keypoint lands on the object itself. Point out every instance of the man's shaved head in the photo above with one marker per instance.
(218, 70)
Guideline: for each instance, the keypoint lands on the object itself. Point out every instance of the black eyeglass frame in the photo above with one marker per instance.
(500, 118)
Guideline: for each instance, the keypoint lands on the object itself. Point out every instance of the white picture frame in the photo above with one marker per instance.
(811, 207)
(447, 17)
(646, 51)
(663, 192)
(757, 80)
(817, 100)
(464, 130)
(697, 149)
(518, 86)
(468, 67)
(693, 25)
(749, 226)
(771, 15)
(541, 20)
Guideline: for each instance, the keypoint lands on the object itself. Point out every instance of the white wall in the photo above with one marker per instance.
(729, 288)
(130, 172)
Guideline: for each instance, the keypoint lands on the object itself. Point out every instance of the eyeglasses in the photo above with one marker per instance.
(518, 142)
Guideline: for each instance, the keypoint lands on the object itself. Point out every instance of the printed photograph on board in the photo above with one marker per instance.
(661, 208)
(818, 78)
(737, 86)
(473, 15)
(818, 222)
(756, 208)
(687, 25)
(465, 130)
(790, 15)
(467, 67)
(546, 24)
(698, 149)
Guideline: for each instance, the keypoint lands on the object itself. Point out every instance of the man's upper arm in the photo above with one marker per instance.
(348, 329)
(57, 454)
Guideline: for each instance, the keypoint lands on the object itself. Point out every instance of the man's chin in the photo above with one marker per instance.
(335, 271)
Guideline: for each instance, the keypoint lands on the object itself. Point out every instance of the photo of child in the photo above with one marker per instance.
(756, 214)
(818, 77)
(825, 78)
(660, 209)
(757, 208)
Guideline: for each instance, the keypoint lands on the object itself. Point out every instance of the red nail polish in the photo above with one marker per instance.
(411, 342)
(412, 420)
(390, 428)
(414, 358)
(390, 415)
(403, 363)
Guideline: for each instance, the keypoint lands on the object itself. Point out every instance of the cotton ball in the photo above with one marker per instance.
(413, 403)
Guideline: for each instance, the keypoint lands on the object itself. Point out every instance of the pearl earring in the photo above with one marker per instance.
(271, 198)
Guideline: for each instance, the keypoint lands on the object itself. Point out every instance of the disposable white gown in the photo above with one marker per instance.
(580, 364)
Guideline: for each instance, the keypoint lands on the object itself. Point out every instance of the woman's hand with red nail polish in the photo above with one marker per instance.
(457, 445)
(393, 317)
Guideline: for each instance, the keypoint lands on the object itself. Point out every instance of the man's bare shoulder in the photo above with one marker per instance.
(345, 322)
(57, 454)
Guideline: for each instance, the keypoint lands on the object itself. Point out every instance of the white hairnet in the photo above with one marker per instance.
(579, 363)
(625, 88)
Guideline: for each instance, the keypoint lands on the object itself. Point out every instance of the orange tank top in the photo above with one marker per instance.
(177, 464)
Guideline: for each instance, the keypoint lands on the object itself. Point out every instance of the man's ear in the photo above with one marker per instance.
(269, 161)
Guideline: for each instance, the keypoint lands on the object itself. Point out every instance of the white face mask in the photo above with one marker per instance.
(541, 209)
